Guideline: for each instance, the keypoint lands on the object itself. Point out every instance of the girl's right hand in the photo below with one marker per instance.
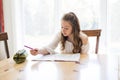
(34, 51)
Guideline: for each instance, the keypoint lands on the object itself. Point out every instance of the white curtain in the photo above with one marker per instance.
(32, 22)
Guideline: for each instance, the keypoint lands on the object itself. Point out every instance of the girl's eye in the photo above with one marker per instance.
(66, 28)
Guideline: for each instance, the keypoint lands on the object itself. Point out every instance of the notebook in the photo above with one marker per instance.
(59, 57)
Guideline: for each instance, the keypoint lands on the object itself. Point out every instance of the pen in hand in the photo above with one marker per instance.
(28, 47)
(32, 50)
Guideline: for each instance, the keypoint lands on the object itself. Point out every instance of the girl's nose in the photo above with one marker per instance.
(63, 30)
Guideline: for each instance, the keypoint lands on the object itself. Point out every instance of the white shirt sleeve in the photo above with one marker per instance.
(85, 48)
(53, 44)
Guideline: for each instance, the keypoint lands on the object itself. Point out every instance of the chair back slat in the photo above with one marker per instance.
(4, 38)
(94, 33)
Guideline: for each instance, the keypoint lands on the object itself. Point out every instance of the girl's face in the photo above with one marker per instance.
(66, 28)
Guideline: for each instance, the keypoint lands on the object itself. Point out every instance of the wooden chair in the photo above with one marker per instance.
(4, 37)
(94, 33)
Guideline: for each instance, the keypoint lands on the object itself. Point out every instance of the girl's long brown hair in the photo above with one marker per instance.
(74, 22)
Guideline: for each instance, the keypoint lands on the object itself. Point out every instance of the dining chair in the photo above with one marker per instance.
(94, 33)
(4, 38)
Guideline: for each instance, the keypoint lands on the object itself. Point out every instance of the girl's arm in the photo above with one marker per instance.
(49, 49)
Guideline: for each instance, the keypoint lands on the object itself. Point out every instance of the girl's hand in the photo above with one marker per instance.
(34, 51)
(43, 52)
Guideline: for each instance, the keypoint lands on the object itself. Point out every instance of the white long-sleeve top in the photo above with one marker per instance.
(68, 45)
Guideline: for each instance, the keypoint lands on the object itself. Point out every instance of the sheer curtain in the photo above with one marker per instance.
(113, 29)
(42, 18)
(33, 23)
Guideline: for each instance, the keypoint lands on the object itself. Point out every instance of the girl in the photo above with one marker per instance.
(71, 38)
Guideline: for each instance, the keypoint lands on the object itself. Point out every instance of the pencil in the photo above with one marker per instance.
(28, 47)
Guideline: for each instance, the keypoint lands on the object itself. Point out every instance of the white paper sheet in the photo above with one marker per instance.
(60, 57)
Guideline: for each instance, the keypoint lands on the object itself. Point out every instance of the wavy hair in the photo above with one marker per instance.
(74, 22)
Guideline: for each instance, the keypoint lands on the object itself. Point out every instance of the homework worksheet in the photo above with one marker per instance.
(59, 57)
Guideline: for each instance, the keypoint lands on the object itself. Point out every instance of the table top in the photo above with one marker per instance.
(91, 67)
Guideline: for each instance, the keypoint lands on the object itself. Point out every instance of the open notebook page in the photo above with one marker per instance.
(62, 57)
